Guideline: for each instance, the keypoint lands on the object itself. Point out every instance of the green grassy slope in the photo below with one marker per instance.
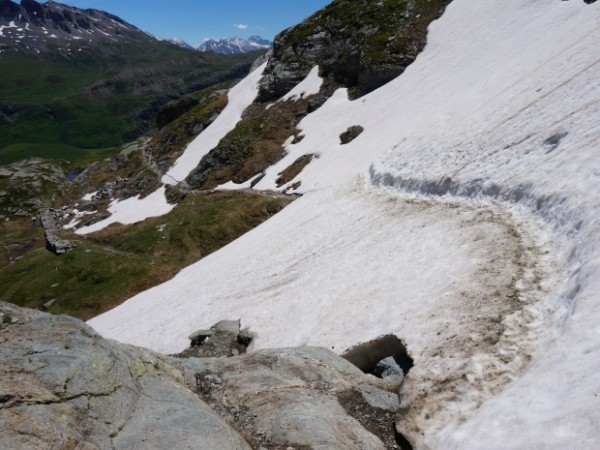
(110, 266)
(98, 98)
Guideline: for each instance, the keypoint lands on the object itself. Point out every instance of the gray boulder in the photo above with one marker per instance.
(63, 386)
(303, 397)
(222, 339)
(389, 370)
(52, 224)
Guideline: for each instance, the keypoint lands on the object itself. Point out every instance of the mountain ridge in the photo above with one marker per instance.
(234, 45)
(33, 27)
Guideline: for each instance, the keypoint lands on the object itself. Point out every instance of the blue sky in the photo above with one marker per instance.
(195, 20)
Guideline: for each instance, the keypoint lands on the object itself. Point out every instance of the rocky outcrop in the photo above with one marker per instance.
(224, 338)
(360, 44)
(255, 144)
(176, 108)
(304, 397)
(28, 185)
(64, 386)
(180, 121)
(52, 224)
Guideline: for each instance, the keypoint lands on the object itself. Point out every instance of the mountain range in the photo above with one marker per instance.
(235, 45)
(32, 27)
(227, 46)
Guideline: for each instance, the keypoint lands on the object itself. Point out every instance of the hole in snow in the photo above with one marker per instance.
(381, 357)
(402, 441)
(553, 141)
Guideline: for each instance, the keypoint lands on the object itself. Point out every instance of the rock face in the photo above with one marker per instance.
(303, 397)
(29, 185)
(357, 43)
(64, 386)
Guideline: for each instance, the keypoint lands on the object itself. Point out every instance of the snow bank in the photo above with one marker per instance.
(132, 210)
(309, 86)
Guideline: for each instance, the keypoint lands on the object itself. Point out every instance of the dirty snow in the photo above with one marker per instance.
(478, 172)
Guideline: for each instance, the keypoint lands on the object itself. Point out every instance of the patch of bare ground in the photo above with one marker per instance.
(294, 169)
(256, 143)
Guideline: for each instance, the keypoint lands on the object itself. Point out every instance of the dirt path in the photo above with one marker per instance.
(493, 330)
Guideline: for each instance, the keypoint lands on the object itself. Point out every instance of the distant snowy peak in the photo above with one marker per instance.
(38, 27)
(180, 43)
(235, 45)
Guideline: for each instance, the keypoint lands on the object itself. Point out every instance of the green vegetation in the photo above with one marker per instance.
(97, 100)
(253, 145)
(374, 40)
(112, 265)
(78, 156)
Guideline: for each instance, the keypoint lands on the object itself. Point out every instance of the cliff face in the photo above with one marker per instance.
(361, 44)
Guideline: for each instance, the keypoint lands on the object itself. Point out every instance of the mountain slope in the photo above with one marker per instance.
(85, 79)
(359, 44)
(39, 28)
(463, 219)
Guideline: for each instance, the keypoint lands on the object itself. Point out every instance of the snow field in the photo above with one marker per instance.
(494, 133)
(132, 210)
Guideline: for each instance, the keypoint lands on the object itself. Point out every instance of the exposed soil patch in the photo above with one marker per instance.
(292, 171)
(256, 143)
(378, 421)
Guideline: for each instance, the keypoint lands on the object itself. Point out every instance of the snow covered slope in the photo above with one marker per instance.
(465, 219)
